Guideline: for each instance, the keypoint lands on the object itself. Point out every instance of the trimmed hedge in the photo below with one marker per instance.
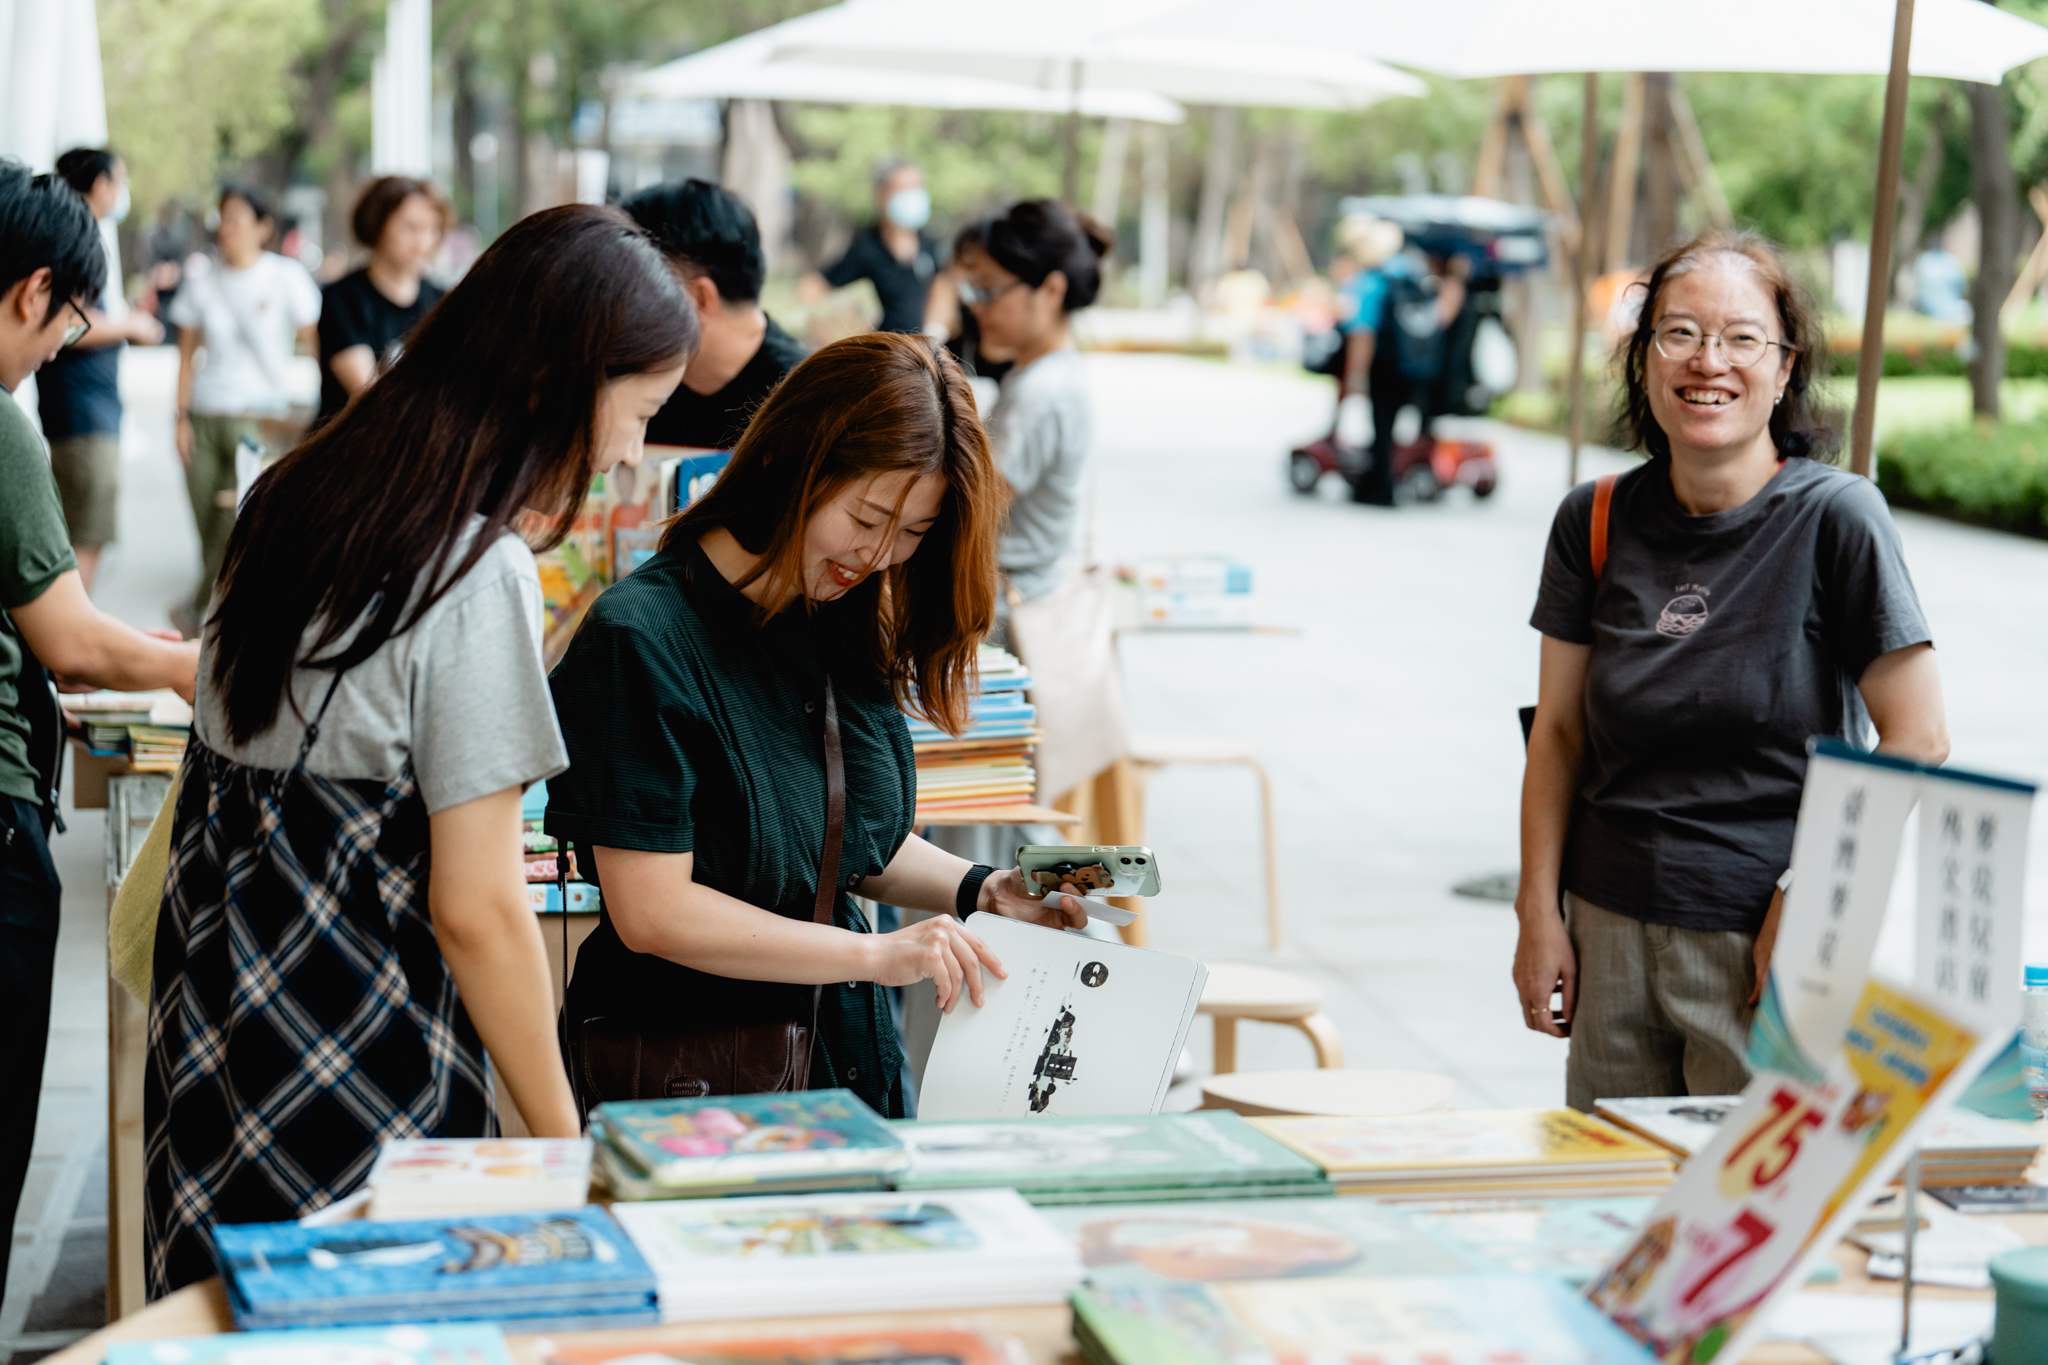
(2021, 362)
(1989, 475)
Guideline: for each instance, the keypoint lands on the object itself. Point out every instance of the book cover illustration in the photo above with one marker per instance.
(1572, 1239)
(411, 1344)
(1079, 1027)
(907, 1346)
(1470, 1141)
(733, 1139)
(1052, 1153)
(488, 1161)
(1851, 1069)
(283, 1267)
(1250, 1239)
(1476, 1319)
(1684, 1123)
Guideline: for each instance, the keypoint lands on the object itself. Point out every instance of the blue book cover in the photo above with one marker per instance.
(730, 1140)
(409, 1344)
(528, 1261)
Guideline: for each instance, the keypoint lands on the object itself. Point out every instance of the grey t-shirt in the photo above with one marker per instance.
(1720, 645)
(1041, 429)
(461, 696)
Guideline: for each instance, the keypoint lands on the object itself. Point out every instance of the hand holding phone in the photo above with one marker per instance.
(1093, 870)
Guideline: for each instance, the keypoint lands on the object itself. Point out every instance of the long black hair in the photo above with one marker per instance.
(1799, 425)
(488, 413)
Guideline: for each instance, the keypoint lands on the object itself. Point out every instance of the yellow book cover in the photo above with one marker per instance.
(1471, 1141)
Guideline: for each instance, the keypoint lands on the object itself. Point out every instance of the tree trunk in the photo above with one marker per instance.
(1660, 171)
(1998, 208)
(1914, 196)
(1205, 258)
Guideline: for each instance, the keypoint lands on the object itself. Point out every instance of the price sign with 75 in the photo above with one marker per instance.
(1764, 1153)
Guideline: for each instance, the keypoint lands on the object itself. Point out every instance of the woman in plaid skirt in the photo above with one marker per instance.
(346, 942)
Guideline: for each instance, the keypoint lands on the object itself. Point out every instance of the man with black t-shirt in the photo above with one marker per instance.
(892, 253)
(711, 238)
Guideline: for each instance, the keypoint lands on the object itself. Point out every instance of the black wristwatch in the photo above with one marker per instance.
(969, 894)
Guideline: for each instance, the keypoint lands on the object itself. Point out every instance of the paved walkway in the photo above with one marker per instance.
(1388, 723)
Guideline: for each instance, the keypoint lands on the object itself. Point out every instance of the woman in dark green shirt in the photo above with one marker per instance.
(852, 538)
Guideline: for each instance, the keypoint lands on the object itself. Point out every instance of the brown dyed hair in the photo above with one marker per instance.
(384, 196)
(866, 406)
(1799, 425)
(490, 411)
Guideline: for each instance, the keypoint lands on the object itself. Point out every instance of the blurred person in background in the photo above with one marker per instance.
(366, 315)
(710, 236)
(165, 247)
(247, 312)
(946, 320)
(346, 949)
(52, 275)
(79, 392)
(892, 252)
(1751, 595)
(1025, 274)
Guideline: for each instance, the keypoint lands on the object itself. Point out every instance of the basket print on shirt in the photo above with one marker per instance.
(301, 1012)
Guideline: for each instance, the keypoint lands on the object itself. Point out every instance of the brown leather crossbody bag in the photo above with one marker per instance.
(617, 1058)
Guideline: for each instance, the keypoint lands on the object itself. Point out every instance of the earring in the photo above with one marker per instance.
(1779, 399)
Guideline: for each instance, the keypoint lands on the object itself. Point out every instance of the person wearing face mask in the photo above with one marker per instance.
(738, 756)
(893, 252)
(78, 394)
(366, 315)
(345, 933)
(1703, 616)
(246, 312)
(710, 236)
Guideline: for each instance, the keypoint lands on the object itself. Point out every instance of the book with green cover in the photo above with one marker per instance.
(1052, 1160)
(1471, 1319)
(1204, 1240)
(733, 1142)
(1572, 1239)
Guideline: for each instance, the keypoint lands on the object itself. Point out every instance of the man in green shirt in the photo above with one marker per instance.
(51, 270)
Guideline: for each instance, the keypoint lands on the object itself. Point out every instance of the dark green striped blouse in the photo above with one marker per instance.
(691, 727)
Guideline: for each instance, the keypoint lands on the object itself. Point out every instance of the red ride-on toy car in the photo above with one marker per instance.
(1422, 469)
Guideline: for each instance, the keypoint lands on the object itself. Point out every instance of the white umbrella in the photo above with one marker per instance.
(1074, 46)
(741, 69)
(1961, 39)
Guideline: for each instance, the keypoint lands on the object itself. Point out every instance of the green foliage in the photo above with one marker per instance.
(1990, 475)
(974, 162)
(194, 86)
(2021, 362)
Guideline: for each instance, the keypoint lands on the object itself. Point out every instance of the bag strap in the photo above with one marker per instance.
(1603, 498)
(835, 811)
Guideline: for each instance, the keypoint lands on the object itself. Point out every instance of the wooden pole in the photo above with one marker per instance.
(1621, 196)
(1582, 270)
(1890, 151)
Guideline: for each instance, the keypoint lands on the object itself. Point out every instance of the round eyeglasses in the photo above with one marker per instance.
(79, 328)
(973, 295)
(1741, 348)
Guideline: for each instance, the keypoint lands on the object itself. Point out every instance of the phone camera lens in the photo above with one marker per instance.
(1123, 860)
(1141, 862)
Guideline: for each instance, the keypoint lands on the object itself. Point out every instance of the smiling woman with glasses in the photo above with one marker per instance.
(1703, 616)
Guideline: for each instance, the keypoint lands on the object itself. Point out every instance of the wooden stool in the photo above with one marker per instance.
(1150, 753)
(1238, 990)
(1375, 1094)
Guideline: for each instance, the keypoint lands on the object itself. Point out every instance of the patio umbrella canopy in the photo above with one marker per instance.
(1961, 39)
(1076, 46)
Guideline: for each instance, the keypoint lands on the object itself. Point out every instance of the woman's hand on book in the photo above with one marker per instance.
(941, 950)
(1004, 894)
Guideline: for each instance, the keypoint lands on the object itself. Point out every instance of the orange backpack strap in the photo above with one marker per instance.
(1603, 497)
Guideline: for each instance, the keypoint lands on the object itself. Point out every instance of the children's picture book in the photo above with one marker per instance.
(409, 1344)
(549, 1266)
(1572, 1239)
(1684, 1123)
(1159, 1243)
(1053, 1159)
(842, 1253)
(942, 1345)
(1473, 1319)
(431, 1177)
(734, 1141)
(1472, 1144)
(1080, 1026)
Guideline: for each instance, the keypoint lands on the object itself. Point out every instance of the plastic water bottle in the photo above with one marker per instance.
(2034, 1037)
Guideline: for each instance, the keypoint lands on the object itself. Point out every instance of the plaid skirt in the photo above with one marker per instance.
(301, 1012)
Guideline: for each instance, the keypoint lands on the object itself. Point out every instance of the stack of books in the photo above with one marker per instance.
(920, 1344)
(148, 729)
(440, 1177)
(850, 1253)
(1194, 594)
(989, 764)
(540, 850)
(1962, 1147)
(805, 1141)
(1209, 1154)
(566, 1271)
(1477, 1153)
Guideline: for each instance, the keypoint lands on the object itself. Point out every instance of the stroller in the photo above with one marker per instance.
(1441, 370)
